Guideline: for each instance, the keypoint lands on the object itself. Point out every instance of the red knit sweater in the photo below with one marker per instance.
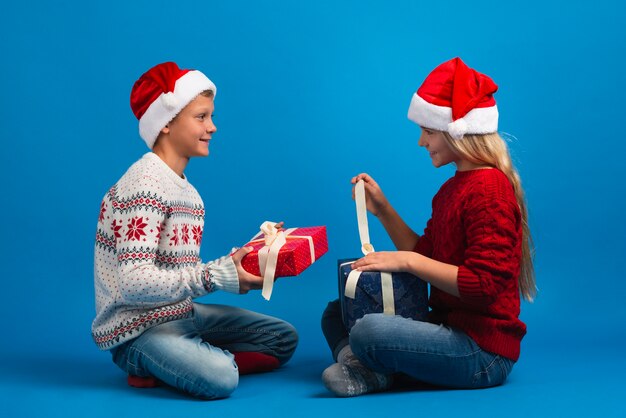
(476, 225)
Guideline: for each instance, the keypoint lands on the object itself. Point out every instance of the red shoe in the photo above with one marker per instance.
(142, 382)
(249, 362)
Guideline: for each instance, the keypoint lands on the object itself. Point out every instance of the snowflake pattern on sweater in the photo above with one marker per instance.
(147, 266)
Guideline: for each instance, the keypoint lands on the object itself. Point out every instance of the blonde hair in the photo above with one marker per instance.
(491, 150)
(207, 93)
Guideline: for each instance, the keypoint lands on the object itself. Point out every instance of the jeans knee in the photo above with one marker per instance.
(330, 314)
(366, 335)
(365, 329)
(290, 340)
(290, 333)
(219, 381)
(228, 383)
(333, 309)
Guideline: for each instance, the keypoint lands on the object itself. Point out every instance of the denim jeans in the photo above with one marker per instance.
(193, 354)
(427, 352)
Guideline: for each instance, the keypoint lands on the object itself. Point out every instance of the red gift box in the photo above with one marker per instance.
(295, 256)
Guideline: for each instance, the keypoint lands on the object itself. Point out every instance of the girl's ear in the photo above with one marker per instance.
(166, 129)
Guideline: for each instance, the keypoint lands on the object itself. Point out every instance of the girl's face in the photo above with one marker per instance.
(436, 145)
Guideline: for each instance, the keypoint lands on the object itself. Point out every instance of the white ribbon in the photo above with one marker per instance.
(351, 281)
(386, 284)
(361, 216)
(274, 240)
(269, 231)
(386, 281)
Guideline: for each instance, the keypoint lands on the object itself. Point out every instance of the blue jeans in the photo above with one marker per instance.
(430, 353)
(192, 354)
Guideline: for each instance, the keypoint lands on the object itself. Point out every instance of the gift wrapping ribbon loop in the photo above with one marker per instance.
(361, 216)
(274, 240)
(386, 281)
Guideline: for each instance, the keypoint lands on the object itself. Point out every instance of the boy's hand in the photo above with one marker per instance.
(247, 281)
(375, 200)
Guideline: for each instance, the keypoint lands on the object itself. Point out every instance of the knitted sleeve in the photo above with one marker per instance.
(424, 244)
(156, 263)
(492, 256)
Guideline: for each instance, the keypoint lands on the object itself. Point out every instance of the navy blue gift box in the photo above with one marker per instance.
(410, 295)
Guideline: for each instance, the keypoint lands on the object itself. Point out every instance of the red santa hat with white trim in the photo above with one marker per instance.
(456, 99)
(161, 93)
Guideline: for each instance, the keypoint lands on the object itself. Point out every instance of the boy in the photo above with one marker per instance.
(147, 264)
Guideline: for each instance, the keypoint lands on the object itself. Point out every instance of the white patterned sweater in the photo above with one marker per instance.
(147, 264)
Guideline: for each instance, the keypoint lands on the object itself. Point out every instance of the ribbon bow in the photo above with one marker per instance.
(268, 255)
(269, 231)
(274, 239)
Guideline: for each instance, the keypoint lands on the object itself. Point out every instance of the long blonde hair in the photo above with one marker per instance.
(491, 150)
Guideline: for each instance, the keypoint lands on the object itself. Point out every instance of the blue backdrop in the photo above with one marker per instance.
(320, 89)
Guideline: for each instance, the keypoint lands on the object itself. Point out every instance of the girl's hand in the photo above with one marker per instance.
(375, 200)
(247, 281)
(390, 261)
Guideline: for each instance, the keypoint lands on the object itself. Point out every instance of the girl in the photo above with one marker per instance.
(475, 253)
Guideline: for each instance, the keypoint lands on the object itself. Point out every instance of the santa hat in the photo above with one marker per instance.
(161, 93)
(456, 99)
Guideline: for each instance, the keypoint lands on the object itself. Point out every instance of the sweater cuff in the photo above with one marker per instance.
(469, 285)
(223, 274)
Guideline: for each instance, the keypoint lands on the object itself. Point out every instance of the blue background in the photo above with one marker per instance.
(321, 90)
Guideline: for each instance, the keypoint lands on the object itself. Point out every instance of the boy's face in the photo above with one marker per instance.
(190, 131)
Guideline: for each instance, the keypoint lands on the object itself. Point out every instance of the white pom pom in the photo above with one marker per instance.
(169, 100)
(458, 128)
